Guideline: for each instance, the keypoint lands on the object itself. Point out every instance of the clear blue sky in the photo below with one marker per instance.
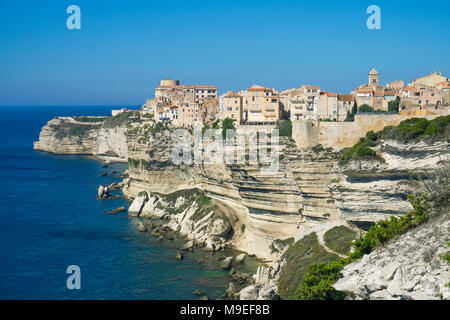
(125, 47)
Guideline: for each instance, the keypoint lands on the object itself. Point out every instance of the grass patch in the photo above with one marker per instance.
(299, 257)
(203, 200)
(143, 194)
(339, 239)
(89, 119)
(278, 243)
(121, 119)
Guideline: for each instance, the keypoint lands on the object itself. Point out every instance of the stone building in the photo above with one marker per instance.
(327, 106)
(191, 115)
(375, 95)
(345, 104)
(231, 106)
(262, 105)
(430, 80)
(419, 95)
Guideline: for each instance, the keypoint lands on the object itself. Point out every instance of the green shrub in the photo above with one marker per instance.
(393, 105)
(339, 239)
(143, 194)
(299, 257)
(365, 108)
(204, 200)
(243, 228)
(227, 123)
(350, 116)
(318, 281)
(285, 128)
(88, 119)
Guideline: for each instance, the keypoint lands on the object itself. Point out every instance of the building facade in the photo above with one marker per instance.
(262, 104)
(231, 106)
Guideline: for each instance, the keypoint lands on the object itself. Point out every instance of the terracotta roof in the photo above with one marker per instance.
(232, 94)
(364, 90)
(408, 88)
(428, 76)
(345, 97)
(260, 89)
(329, 94)
(389, 93)
(308, 87)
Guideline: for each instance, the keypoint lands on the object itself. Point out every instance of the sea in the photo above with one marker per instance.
(50, 220)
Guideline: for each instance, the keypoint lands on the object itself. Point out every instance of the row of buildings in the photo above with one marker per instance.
(195, 105)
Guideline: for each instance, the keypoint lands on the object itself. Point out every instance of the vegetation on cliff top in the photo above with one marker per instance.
(90, 119)
(120, 119)
(285, 128)
(413, 129)
(69, 129)
(299, 257)
(319, 278)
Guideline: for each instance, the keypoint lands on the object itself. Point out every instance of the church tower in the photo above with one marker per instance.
(374, 78)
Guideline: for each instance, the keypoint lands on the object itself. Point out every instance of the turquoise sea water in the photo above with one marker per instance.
(50, 219)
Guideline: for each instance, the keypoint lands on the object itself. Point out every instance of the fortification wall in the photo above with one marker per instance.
(346, 134)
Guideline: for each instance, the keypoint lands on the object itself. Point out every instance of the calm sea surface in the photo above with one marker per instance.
(50, 219)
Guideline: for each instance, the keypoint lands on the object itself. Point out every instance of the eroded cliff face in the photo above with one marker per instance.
(410, 267)
(66, 135)
(310, 187)
(374, 190)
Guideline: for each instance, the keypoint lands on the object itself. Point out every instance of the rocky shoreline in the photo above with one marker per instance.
(243, 283)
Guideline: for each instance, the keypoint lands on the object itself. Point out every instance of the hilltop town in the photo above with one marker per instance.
(197, 105)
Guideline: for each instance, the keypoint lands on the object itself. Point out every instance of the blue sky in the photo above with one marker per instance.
(125, 47)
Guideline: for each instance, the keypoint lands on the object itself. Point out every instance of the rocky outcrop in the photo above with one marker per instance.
(265, 284)
(374, 190)
(227, 263)
(135, 208)
(103, 193)
(241, 258)
(188, 212)
(69, 135)
(410, 267)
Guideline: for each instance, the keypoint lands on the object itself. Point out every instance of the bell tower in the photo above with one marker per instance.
(374, 78)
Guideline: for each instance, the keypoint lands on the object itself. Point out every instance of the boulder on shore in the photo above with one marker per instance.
(240, 258)
(189, 245)
(136, 207)
(249, 293)
(142, 227)
(103, 193)
(231, 290)
(227, 263)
